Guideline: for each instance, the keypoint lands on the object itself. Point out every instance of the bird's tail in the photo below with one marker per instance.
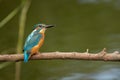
(26, 56)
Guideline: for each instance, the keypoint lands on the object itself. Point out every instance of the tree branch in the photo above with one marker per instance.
(101, 56)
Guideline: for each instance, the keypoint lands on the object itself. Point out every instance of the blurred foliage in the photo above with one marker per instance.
(9, 17)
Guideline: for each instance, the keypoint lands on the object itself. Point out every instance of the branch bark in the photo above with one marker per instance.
(101, 56)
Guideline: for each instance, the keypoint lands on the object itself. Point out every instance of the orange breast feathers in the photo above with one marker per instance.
(36, 48)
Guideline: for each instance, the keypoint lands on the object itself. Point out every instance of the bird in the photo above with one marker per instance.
(35, 40)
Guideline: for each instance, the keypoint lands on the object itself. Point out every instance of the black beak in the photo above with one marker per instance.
(49, 26)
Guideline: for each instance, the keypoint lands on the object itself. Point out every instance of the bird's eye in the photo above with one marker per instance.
(40, 26)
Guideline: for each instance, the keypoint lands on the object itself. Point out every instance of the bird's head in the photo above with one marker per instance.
(42, 27)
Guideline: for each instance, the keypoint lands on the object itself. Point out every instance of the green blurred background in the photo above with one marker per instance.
(80, 24)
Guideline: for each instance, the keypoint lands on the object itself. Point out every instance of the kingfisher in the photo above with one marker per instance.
(35, 40)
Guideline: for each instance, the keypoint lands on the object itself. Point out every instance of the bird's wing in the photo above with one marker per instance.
(32, 40)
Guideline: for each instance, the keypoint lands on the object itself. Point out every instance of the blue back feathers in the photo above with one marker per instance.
(32, 40)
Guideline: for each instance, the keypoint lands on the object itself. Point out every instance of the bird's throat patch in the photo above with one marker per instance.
(42, 30)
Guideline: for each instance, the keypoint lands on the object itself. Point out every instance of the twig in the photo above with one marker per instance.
(115, 56)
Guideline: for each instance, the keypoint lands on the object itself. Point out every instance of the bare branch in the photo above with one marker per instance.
(101, 56)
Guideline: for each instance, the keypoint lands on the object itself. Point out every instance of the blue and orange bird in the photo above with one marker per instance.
(35, 40)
